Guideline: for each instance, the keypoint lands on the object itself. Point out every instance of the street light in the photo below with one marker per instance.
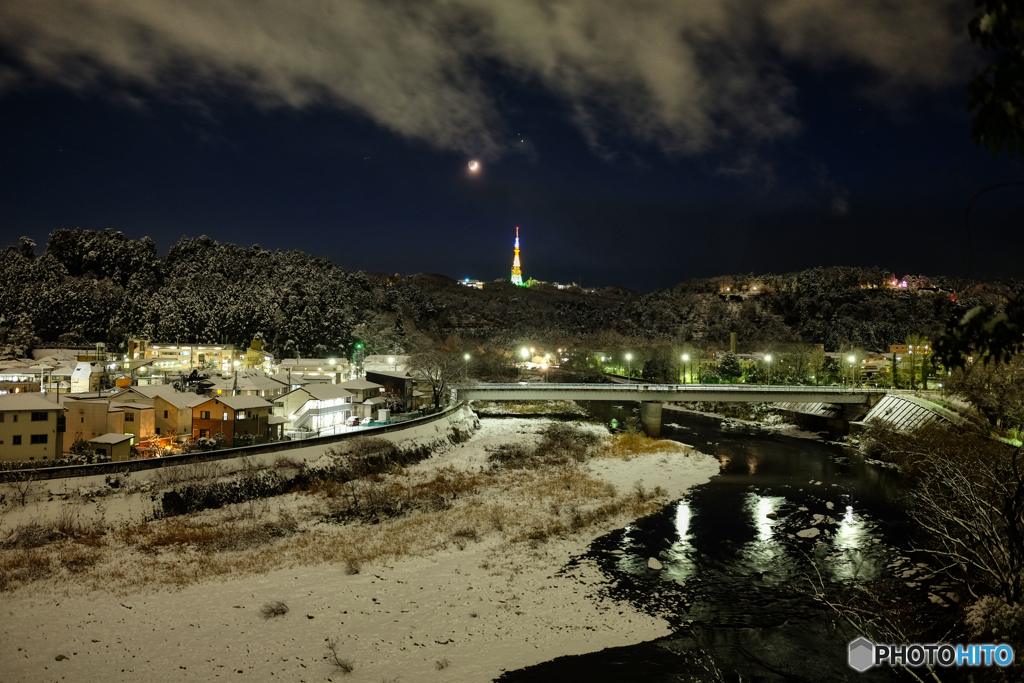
(768, 359)
(852, 360)
(686, 357)
(629, 360)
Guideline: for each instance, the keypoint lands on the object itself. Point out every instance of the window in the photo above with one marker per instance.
(41, 416)
(204, 433)
(38, 438)
(225, 418)
(1, 417)
(16, 440)
(277, 404)
(158, 431)
(165, 414)
(15, 417)
(83, 420)
(240, 415)
(204, 415)
(129, 417)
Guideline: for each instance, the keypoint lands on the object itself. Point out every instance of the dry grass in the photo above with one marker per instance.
(365, 522)
(274, 608)
(627, 446)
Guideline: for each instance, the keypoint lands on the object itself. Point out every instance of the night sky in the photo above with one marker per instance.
(634, 143)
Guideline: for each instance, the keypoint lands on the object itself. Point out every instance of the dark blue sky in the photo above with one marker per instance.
(856, 175)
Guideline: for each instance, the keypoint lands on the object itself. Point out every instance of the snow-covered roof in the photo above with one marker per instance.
(153, 390)
(236, 402)
(360, 384)
(27, 401)
(133, 406)
(249, 382)
(283, 378)
(400, 375)
(326, 392)
(111, 438)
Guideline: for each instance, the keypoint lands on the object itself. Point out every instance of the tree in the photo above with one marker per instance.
(968, 499)
(816, 363)
(729, 367)
(988, 332)
(997, 93)
(440, 367)
(995, 389)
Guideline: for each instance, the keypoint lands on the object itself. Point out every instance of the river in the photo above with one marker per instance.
(737, 586)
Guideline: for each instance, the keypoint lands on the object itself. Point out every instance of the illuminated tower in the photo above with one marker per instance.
(517, 273)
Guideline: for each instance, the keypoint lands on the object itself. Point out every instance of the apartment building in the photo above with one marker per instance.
(31, 427)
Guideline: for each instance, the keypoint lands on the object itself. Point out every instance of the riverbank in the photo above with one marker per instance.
(775, 427)
(462, 592)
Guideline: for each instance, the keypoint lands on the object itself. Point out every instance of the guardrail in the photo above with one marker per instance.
(69, 471)
(724, 388)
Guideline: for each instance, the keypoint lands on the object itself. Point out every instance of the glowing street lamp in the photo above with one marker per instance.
(629, 360)
(768, 360)
(852, 360)
(526, 354)
(686, 357)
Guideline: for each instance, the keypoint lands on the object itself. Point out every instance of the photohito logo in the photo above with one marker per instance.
(863, 654)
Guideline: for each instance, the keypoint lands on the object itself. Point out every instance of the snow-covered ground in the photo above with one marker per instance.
(463, 610)
(777, 426)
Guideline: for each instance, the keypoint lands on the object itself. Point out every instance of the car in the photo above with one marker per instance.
(366, 421)
(352, 421)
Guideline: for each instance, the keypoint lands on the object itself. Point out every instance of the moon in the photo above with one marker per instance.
(474, 166)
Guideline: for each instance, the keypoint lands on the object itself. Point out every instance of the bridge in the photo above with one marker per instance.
(651, 396)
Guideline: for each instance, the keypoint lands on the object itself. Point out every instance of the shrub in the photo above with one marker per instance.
(344, 664)
(272, 609)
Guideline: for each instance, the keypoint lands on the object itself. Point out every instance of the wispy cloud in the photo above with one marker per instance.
(681, 75)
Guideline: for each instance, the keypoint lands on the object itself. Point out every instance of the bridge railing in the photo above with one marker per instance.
(669, 388)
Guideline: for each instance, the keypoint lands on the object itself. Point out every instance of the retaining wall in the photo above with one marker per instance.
(437, 425)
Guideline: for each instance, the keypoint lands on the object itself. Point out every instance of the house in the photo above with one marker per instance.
(401, 384)
(31, 427)
(172, 414)
(248, 383)
(367, 397)
(175, 358)
(139, 420)
(88, 418)
(118, 447)
(231, 416)
(16, 377)
(87, 377)
(323, 370)
(315, 407)
(390, 363)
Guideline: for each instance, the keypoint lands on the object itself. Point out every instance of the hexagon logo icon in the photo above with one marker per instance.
(862, 654)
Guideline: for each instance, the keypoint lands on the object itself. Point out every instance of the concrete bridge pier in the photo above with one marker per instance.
(650, 417)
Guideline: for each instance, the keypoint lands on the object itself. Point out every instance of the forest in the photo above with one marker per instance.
(100, 286)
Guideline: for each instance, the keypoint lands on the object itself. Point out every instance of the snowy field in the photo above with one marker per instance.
(457, 594)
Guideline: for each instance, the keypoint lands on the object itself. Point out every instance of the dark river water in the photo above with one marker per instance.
(737, 586)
